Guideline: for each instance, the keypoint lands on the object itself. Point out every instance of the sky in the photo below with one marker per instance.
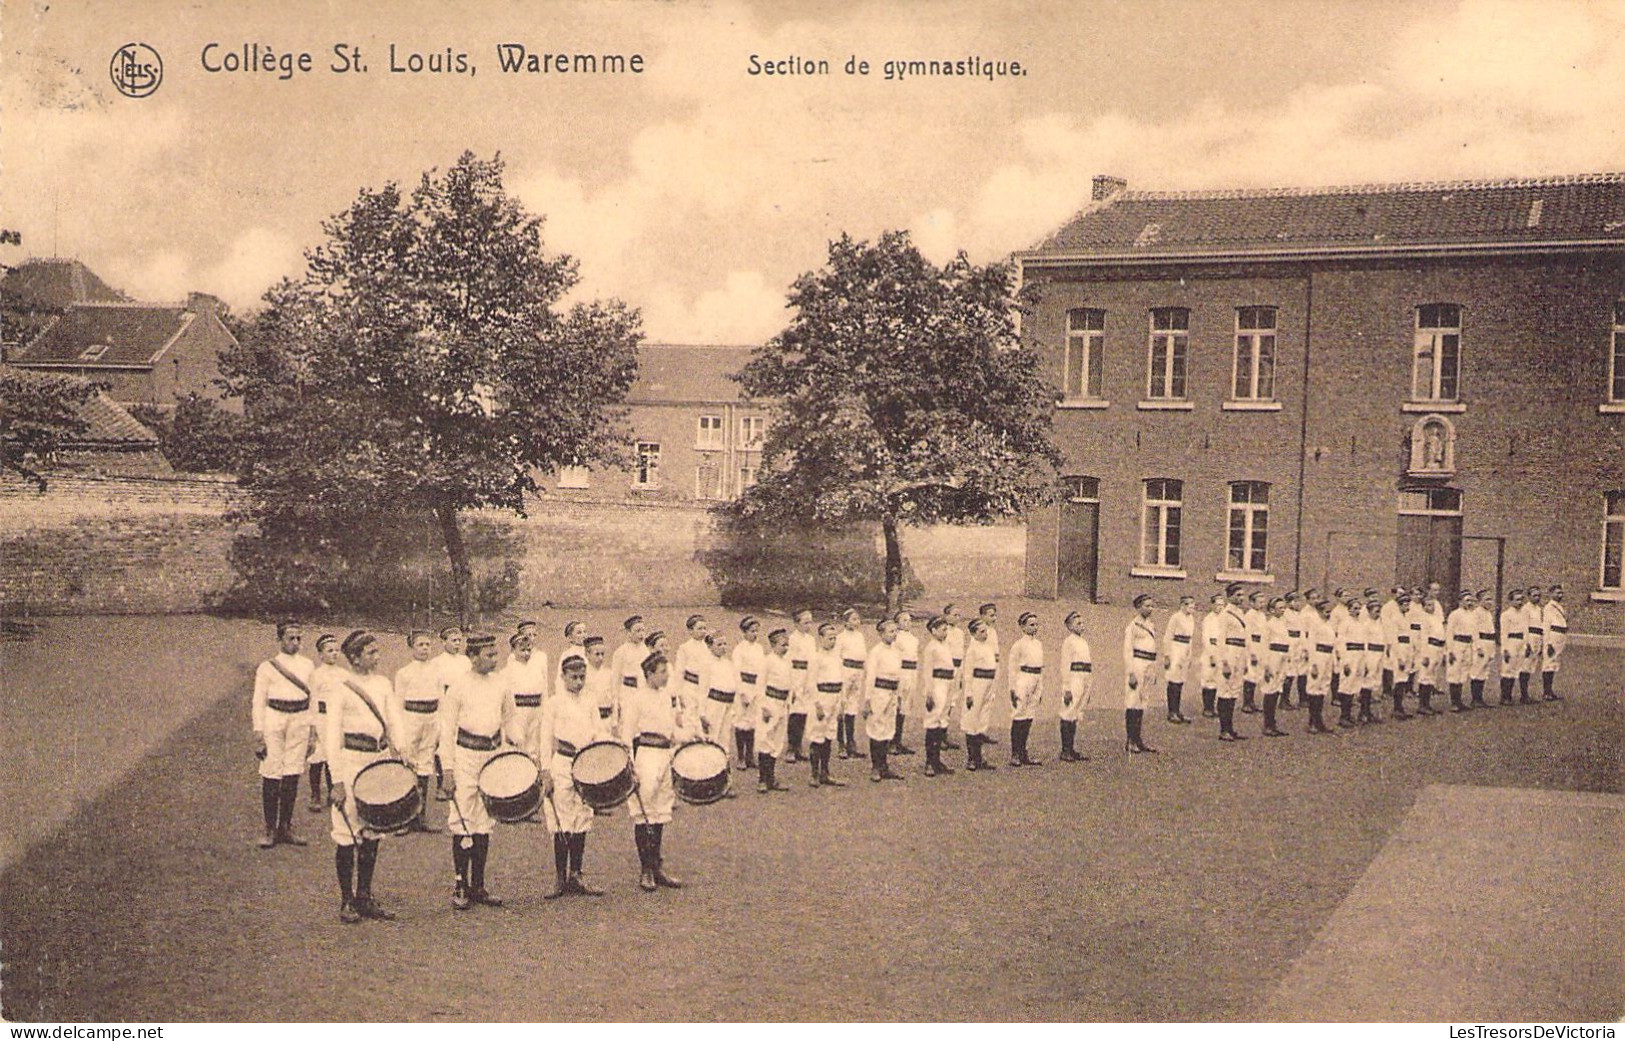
(697, 192)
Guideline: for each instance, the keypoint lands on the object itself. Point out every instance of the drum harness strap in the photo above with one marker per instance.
(287, 704)
(367, 701)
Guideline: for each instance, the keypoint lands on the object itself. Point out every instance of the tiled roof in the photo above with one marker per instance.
(107, 422)
(672, 372)
(1357, 218)
(133, 334)
(53, 284)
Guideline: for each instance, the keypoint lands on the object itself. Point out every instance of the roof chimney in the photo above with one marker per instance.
(202, 303)
(1106, 186)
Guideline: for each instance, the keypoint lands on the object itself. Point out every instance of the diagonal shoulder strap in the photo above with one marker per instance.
(290, 677)
(353, 685)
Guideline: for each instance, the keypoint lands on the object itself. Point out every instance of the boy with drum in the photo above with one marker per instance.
(570, 722)
(651, 721)
(357, 736)
(476, 713)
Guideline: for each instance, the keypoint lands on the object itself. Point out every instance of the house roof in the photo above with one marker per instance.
(1530, 213)
(669, 373)
(133, 334)
(107, 423)
(54, 284)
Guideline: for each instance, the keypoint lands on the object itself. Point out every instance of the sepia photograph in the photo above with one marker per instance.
(808, 511)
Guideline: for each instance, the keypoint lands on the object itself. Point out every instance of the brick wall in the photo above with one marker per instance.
(134, 545)
(1534, 456)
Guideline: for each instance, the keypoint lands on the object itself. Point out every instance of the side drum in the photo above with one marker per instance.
(386, 795)
(511, 787)
(699, 772)
(602, 774)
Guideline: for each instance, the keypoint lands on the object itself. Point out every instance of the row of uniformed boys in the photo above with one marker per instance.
(1354, 648)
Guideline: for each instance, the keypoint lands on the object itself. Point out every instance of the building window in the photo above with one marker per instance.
(1085, 340)
(1616, 357)
(752, 431)
(648, 472)
(1249, 527)
(1430, 502)
(1613, 541)
(1081, 489)
(710, 435)
(1436, 369)
(708, 478)
(1254, 376)
(1159, 531)
(575, 477)
(747, 478)
(1170, 340)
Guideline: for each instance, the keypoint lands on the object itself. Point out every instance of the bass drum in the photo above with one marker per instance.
(699, 772)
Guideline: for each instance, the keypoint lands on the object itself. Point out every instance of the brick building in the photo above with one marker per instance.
(696, 438)
(1341, 386)
(148, 354)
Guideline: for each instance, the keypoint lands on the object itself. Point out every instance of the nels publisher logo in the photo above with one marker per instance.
(136, 70)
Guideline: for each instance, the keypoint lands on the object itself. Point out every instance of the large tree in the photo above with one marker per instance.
(902, 395)
(38, 414)
(425, 363)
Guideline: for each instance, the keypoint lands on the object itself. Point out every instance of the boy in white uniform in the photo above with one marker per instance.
(1139, 670)
(939, 679)
(1026, 687)
(854, 651)
(1212, 654)
(327, 676)
(1176, 654)
(826, 680)
(777, 679)
(882, 681)
(980, 669)
(1461, 632)
(1557, 640)
(720, 681)
(751, 661)
(281, 719)
(476, 715)
(1078, 685)
(654, 727)
(803, 645)
(908, 645)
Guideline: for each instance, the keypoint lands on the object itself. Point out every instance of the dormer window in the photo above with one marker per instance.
(95, 350)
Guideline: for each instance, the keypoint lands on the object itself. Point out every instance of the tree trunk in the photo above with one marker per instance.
(894, 564)
(462, 575)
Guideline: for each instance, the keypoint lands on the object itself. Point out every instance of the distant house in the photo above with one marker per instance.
(696, 437)
(113, 442)
(55, 284)
(148, 354)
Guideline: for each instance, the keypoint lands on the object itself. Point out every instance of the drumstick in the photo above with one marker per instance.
(347, 825)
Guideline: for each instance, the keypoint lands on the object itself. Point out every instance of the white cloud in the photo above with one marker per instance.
(745, 309)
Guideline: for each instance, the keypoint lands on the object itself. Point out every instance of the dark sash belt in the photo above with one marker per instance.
(1145, 655)
(1486, 636)
(477, 742)
(690, 676)
(984, 674)
(1083, 666)
(747, 677)
(1514, 636)
(1536, 629)
(1560, 628)
(1376, 647)
(777, 693)
(797, 663)
(360, 743)
(911, 665)
(564, 748)
(1354, 646)
(1404, 639)
(851, 663)
(1032, 670)
(1435, 641)
(605, 711)
(1279, 648)
(647, 740)
(629, 681)
(282, 705)
(1181, 638)
(1323, 648)
(957, 662)
(528, 700)
(422, 707)
(1462, 638)
(724, 696)
(882, 683)
(1235, 641)
(1293, 634)
(942, 674)
(830, 688)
